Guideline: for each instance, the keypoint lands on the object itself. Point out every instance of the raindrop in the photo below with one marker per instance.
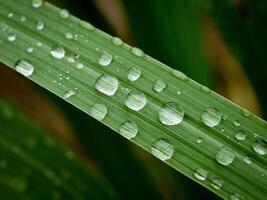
(98, 111)
(247, 160)
(40, 25)
(216, 183)
(57, 52)
(29, 49)
(178, 92)
(162, 149)
(133, 74)
(79, 65)
(70, 59)
(116, 41)
(37, 3)
(11, 37)
(225, 156)
(105, 59)
(159, 85)
(68, 35)
(87, 25)
(211, 117)
(260, 147)
(236, 196)
(136, 51)
(69, 94)
(24, 67)
(10, 14)
(201, 174)
(240, 135)
(64, 14)
(180, 75)
(128, 129)
(107, 84)
(136, 100)
(171, 114)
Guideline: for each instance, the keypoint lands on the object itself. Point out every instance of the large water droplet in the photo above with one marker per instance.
(159, 85)
(260, 147)
(236, 196)
(128, 129)
(171, 114)
(133, 74)
(69, 94)
(37, 3)
(136, 51)
(225, 156)
(240, 135)
(64, 14)
(162, 149)
(201, 174)
(211, 117)
(11, 37)
(57, 52)
(40, 25)
(107, 84)
(105, 59)
(216, 183)
(24, 67)
(136, 100)
(98, 111)
(117, 41)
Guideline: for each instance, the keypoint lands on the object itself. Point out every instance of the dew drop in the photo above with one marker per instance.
(247, 160)
(199, 140)
(201, 174)
(11, 37)
(37, 3)
(98, 111)
(40, 25)
(180, 75)
(225, 156)
(159, 85)
(105, 59)
(70, 59)
(23, 19)
(162, 149)
(57, 52)
(216, 183)
(128, 129)
(29, 49)
(64, 14)
(236, 196)
(107, 84)
(171, 114)
(69, 94)
(136, 100)
(136, 51)
(178, 92)
(117, 41)
(10, 14)
(240, 135)
(133, 74)
(87, 25)
(260, 147)
(79, 65)
(205, 89)
(24, 67)
(211, 117)
(68, 35)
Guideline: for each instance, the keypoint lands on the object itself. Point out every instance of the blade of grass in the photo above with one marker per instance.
(204, 146)
(34, 166)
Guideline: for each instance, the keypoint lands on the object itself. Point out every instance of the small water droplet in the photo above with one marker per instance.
(37, 3)
(11, 37)
(159, 85)
(57, 52)
(211, 117)
(136, 51)
(199, 140)
(247, 160)
(216, 183)
(128, 129)
(180, 75)
(70, 59)
(162, 149)
(69, 94)
(136, 100)
(10, 14)
(201, 174)
(105, 59)
(240, 135)
(98, 111)
(236, 123)
(225, 156)
(87, 25)
(178, 92)
(79, 65)
(40, 25)
(64, 14)
(107, 84)
(39, 44)
(23, 18)
(246, 113)
(260, 147)
(68, 35)
(171, 114)
(236, 196)
(24, 67)
(29, 49)
(205, 89)
(117, 41)
(133, 74)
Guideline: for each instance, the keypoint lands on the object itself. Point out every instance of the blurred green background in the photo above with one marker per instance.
(221, 44)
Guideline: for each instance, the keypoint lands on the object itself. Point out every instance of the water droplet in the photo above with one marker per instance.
(216, 183)
(205, 89)
(159, 85)
(69, 94)
(11, 37)
(128, 129)
(246, 113)
(98, 111)
(117, 41)
(240, 135)
(29, 49)
(180, 75)
(79, 65)
(64, 14)
(260, 147)
(178, 92)
(70, 59)
(199, 140)
(68, 35)
(211, 117)
(57, 52)
(171, 114)
(40, 25)
(105, 59)
(37, 3)
(24, 67)
(201, 174)
(87, 25)
(136, 51)
(236, 123)
(136, 100)
(133, 74)
(247, 160)
(225, 156)
(107, 84)
(39, 44)
(162, 149)
(23, 19)
(10, 14)
(236, 196)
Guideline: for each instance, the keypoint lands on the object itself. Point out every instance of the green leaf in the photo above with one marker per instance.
(34, 166)
(183, 123)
